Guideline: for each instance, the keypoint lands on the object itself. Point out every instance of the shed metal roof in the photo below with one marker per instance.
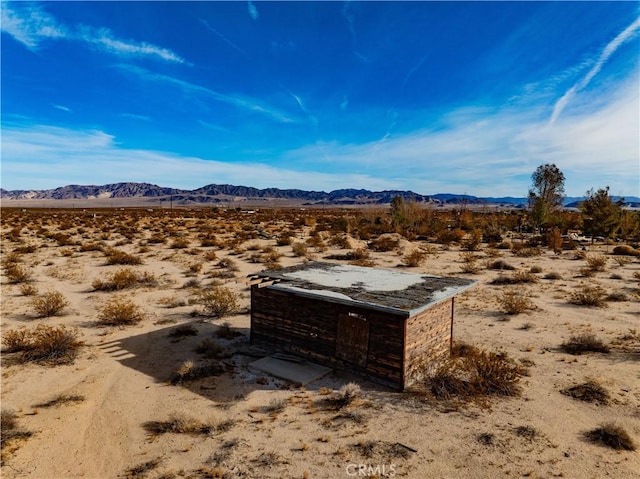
(393, 291)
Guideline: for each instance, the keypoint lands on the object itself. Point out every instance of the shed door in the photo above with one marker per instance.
(352, 342)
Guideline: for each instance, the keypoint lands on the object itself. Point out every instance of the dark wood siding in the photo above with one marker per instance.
(310, 326)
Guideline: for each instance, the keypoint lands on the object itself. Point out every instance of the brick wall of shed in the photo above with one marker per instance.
(308, 326)
(428, 338)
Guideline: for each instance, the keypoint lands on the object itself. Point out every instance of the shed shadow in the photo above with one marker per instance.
(159, 354)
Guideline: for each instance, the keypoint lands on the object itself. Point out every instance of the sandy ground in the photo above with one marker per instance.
(268, 428)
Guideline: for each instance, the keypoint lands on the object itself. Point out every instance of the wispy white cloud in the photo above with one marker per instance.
(494, 151)
(31, 26)
(608, 50)
(253, 10)
(135, 116)
(63, 155)
(239, 101)
(481, 151)
(62, 107)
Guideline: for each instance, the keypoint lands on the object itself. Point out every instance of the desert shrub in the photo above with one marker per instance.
(275, 406)
(179, 243)
(141, 470)
(554, 240)
(60, 400)
(123, 279)
(446, 237)
(229, 264)
(27, 289)
(300, 249)
(473, 241)
(384, 449)
(190, 371)
(476, 374)
(535, 269)
(51, 303)
(17, 274)
(527, 432)
(515, 302)
(224, 331)
(219, 301)
(345, 396)
(415, 258)
(179, 424)
(519, 277)
(589, 296)
(622, 260)
(469, 263)
(553, 275)
(584, 343)
(596, 262)
(590, 391)
(91, 246)
(44, 344)
(617, 296)
(119, 312)
(183, 330)
(15, 340)
(385, 243)
(26, 249)
(611, 435)
(10, 259)
(116, 256)
(285, 239)
(522, 251)
(211, 349)
(626, 250)
(500, 265)
(172, 302)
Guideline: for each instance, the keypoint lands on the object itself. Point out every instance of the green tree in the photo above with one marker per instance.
(601, 215)
(546, 195)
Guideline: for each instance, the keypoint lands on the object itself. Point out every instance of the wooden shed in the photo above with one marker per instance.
(378, 323)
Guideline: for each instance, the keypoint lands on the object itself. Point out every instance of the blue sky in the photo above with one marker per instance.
(428, 96)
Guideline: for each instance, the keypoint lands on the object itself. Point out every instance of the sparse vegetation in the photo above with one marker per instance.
(218, 301)
(61, 400)
(122, 279)
(415, 258)
(589, 296)
(51, 303)
(514, 302)
(190, 371)
(120, 312)
(611, 435)
(585, 343)
(589, 391)
(116, 256)
(43, 344)
(472, 373)
(180, 424)
(183, 330)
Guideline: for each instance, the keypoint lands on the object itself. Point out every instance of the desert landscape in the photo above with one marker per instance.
(125, 336)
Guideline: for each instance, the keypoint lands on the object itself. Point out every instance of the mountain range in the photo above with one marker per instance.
(226, 194)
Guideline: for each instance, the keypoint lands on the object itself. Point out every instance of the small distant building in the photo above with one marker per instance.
(378, 323)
